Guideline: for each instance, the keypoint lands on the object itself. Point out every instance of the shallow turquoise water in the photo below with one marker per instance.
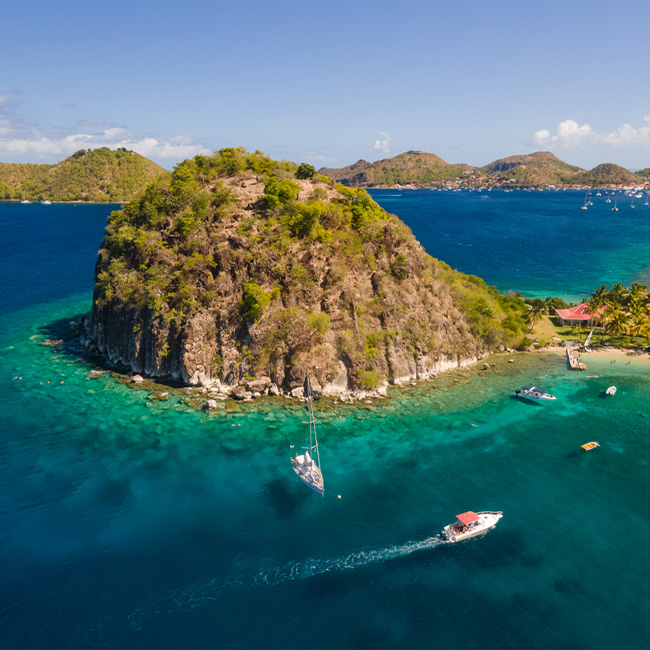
(129, 522)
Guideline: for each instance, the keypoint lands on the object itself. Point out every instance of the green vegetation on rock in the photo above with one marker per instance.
(422, 169)
(96, 176)
(235, 266)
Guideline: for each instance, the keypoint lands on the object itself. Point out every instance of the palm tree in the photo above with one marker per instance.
(615, 321)
(536, 311)
(535, 315)
(636, 313)
(644, 329)
(600, 294)
(618, 294)
(639, 291)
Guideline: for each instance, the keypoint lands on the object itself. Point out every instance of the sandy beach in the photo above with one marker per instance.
(600, 357)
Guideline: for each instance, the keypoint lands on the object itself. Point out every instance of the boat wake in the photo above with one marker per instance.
(311, 568)
(195, 595)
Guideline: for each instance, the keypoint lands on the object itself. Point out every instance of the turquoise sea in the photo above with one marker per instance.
(126, 522)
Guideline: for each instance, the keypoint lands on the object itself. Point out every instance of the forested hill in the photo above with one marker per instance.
(239, 268)
(96, 176)
(421, 169)
(416, 167)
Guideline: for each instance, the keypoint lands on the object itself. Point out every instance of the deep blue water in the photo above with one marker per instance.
(62, 240)
(129, 522)
(541, 243)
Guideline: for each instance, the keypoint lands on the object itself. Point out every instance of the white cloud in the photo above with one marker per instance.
(570, 134)
(20, 139)
(320, 158)
(177, 148)
(382, 144)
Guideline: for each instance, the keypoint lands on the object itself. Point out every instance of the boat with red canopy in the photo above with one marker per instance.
(470, 524)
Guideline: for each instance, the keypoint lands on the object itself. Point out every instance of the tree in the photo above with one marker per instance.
(617, 294)
(637, 314)
(615, 321)
(305, 171)
(536, 312)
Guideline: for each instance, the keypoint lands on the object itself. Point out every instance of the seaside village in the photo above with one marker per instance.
(470, 180)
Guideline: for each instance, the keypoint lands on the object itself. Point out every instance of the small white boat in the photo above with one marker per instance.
(307, 465)
(470, 524)
(611, 390)
(534, 393)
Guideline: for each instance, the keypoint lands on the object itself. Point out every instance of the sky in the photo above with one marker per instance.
(327, 82)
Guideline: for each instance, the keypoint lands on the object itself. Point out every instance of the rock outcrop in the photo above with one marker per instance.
(240, 271)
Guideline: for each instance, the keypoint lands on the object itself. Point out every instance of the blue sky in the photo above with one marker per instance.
(327, 82)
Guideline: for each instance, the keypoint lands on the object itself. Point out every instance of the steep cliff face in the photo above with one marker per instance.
(238, 270)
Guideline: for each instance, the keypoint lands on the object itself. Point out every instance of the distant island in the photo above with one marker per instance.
(116, 176)
(537, 170)
(96, 176)
(236, 270)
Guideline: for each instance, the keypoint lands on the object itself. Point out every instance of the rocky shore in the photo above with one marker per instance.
(213, 390)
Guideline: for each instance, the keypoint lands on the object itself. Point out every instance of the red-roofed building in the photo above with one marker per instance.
(579, 315)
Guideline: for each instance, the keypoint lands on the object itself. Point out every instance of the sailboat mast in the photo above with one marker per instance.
(313, 440)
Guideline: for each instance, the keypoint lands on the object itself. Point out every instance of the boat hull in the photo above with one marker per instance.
(454, 533)
(309, 475)
(535, 397)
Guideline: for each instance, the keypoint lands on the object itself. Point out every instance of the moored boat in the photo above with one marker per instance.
(470, 524)
(307, 465)
(611, 390)
(588, 446)
(534, 393)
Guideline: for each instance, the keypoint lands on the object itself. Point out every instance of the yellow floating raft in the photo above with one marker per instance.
(590, 445)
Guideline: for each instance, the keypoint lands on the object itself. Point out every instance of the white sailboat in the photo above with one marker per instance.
(307, 465)
(584, 207)
(614, 209)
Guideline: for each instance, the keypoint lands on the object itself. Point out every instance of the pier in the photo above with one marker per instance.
(574, 360)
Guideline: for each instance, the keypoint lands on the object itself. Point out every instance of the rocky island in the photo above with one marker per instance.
(237, 270)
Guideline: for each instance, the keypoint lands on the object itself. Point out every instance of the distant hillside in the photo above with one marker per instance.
(644, 173)
(539, 169)
(416, 167)
(99, 176)
(609, 173)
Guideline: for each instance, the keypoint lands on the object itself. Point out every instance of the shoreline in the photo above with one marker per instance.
(613, 355)
(202, 399)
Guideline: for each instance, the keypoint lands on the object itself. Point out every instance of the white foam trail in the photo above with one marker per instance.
(311, 568)
(198, 594)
